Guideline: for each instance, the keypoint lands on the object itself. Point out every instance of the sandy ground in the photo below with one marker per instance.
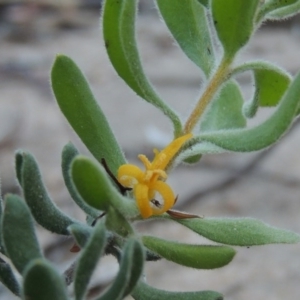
(270, 190)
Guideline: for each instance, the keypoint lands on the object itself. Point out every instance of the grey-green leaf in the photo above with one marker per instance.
(226, 110)
(94, 186)
(234, 23)
(81, 233)
(240, 231)
(88, 259)
(128, 273)
(79, 106)
(42, 282)
(188, 24)
(116, 222)
(119, 35)
(263, 135)
(43, 209)
(193, 256)
(68, 154)
(136, 267)
(8, 278)
(273, 5)
(284, 12)
(144, 291)
(20, 240)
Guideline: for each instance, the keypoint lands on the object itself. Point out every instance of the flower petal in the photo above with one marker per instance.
(129, 175)
(163, 158)
(141, 195)
(167, 194)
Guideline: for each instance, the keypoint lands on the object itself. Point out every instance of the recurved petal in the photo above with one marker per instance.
(142, 199)
(129, 175)
(163, 158)
(167, 194)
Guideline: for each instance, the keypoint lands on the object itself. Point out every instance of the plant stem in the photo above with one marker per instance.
(212, 87)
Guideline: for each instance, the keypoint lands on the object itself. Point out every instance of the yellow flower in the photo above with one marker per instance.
(147, 183)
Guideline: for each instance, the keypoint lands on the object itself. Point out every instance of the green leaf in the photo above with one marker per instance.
(137, 266)
(42, 282)
(272, 5)
(284, 12)
(81, 233)
(117, 223)
(94, 186)
(131, 267)
(240, 231)
(188, 24)
(119, 35)
(234, 23)
(19, 237)
(226, 110)
(260, 136)
(8, 278)
(79, 106)
(68, 154)
(193, 256)
(270, 86)
(2, 250)
(144, 291)
(204, 2)
(88, 259)
(43, 209)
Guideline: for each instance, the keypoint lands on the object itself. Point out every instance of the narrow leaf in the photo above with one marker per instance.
(226, 110)
(136, 267)
(42, 282)
(193, 256)
(19, 236)
(8, 278)
(234, 23)
(144, 291)
(240, 231)
(284, 12)
(43, 209)
(81, 233)
(119, 286)
(204, 2)
(88, 259)
(272, 5)
(79, 106)
(188, 24)
(116, 222)
(263, 135)
(68, 154)
(92, 183)
(119, 35)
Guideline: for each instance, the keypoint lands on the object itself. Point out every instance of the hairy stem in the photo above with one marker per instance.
(212, 87)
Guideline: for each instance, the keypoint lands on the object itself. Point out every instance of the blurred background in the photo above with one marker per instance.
(262, 185)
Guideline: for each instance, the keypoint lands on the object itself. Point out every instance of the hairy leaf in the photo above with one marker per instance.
(95, 188)
(8, 278)
(240, 231)
(82, 111)
(42, 282)
(188, 24)
(284, 12)
(45, 212)
(144, 291)
(234, 23)
(131, 266)
(193, 256)
(81, 233)
(260, 136)
(88, 259)
(119, 35)
(19, 236)
(226, 110)
(68, 154)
